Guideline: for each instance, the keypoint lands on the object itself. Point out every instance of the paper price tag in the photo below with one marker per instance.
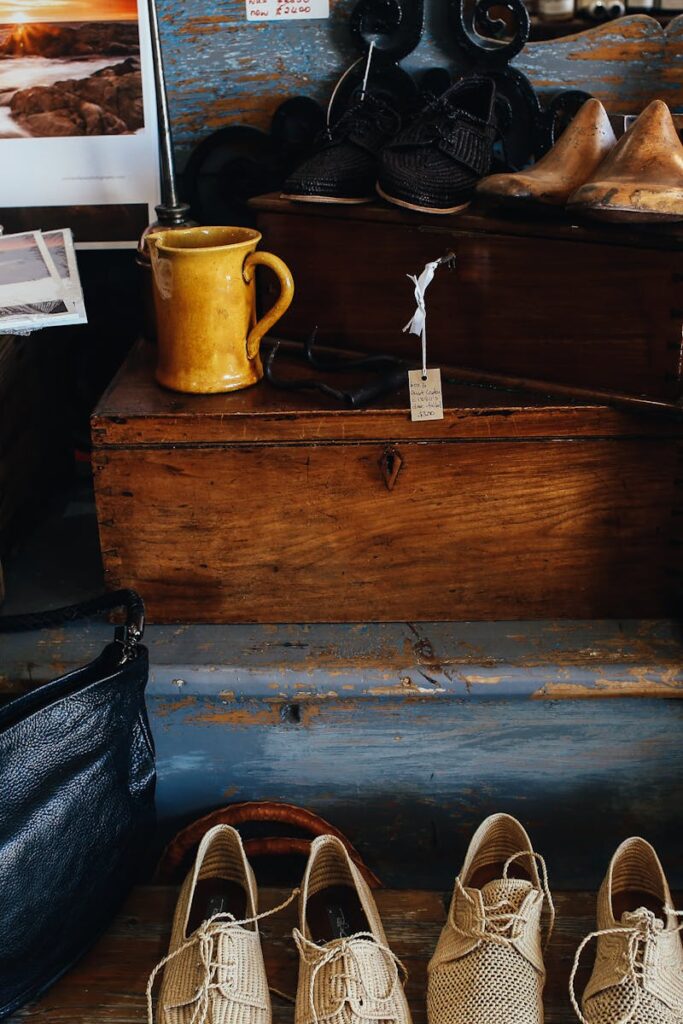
(426, 402)
(276, 10)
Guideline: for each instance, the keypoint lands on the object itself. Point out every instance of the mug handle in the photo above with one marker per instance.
(284, 299)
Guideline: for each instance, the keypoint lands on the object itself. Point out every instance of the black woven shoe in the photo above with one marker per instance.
(435, 162)
(344, 167)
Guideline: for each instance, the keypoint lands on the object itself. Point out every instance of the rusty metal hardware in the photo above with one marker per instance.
(390, 466)
(391, 375)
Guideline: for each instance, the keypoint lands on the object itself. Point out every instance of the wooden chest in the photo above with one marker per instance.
(261, 506)
(592, 309)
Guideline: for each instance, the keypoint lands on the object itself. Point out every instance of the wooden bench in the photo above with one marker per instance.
(108, 986)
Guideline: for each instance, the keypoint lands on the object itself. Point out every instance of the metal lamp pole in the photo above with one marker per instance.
(171, 211)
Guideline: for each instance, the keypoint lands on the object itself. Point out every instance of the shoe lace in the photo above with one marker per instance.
(205, 940)
(344, 952)
(642, 929)
(501, 918)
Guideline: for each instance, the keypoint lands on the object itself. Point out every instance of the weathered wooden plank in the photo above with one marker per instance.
(223, 70)
(108, 986)
(426, 771)
(425, 729)
(621, 62)
(471, 531)
(463, 660)
(135, 412)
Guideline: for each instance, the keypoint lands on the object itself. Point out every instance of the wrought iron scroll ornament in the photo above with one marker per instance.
(385, 32)
(488, 44)
(491, 42)
(238, 162)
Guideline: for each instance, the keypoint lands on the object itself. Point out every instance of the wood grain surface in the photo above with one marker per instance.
(259, 507)
(547, 301)
(135, 412)
(479, 530)
(108, 986)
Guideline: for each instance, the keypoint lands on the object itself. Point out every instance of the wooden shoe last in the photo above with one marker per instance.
(642, 178)
(576, 155)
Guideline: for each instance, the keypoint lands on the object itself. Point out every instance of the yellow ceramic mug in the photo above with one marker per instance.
(204, 298)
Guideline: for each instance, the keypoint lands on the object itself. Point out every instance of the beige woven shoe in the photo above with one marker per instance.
(214, 971)
(347, 973)
(488, 964)
(638, 972)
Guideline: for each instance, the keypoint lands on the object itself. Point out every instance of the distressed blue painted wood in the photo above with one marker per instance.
(409, 783)
(223, 70)
(419, 729)
(551, 659)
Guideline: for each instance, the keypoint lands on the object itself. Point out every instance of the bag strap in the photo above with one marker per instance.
(174, 860)
(129, 634)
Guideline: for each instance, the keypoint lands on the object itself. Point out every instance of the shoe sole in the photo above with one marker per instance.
(421, 209)
(325, 199)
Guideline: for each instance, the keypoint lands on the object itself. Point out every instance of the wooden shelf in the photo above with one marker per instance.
(109, 984)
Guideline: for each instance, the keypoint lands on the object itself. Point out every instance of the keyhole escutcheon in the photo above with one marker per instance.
(390, 466)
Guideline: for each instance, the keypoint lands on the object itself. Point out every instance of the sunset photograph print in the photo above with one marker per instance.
(69, 68)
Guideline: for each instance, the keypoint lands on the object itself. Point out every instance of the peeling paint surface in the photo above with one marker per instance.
(224, 70)
(581, 775)
(421, 729)
(403, 660)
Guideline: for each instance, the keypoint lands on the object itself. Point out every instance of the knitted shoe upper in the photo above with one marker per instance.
(488, 965)
(638, 971)
(345, 163)
(350, 979)
(437, 159)
(215, 972)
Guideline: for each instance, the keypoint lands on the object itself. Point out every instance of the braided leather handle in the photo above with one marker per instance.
(171, 864)
(128, 599)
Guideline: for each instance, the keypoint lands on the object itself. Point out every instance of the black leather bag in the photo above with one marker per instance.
(76, 803)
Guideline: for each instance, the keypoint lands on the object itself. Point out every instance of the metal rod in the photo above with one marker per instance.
(170, 210)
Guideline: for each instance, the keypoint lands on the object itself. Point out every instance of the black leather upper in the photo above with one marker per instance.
(77, 784)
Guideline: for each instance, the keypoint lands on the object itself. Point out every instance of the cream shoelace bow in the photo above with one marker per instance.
(316, 957)
(642, 927)
(500, 917)
(204, 939)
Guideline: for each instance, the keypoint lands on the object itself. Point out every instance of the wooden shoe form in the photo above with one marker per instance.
(574, 158)
(642, 178)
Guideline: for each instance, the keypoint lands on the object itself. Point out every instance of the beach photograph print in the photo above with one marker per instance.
(69, 68)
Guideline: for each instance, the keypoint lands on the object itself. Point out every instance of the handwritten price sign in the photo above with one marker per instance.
(277, 10)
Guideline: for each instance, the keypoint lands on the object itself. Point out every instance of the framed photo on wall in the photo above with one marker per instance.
(78, 123)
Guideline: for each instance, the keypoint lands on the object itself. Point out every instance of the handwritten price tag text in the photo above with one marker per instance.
(276, 10)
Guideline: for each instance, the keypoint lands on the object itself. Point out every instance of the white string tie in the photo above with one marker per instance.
(545, 884)
(501, 917)
(343, 950)
(367, 70)
(340, 81)
(642, 928)
(205, 939)
(418, 322)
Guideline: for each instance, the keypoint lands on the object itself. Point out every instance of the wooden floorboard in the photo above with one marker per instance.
(108, 986)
